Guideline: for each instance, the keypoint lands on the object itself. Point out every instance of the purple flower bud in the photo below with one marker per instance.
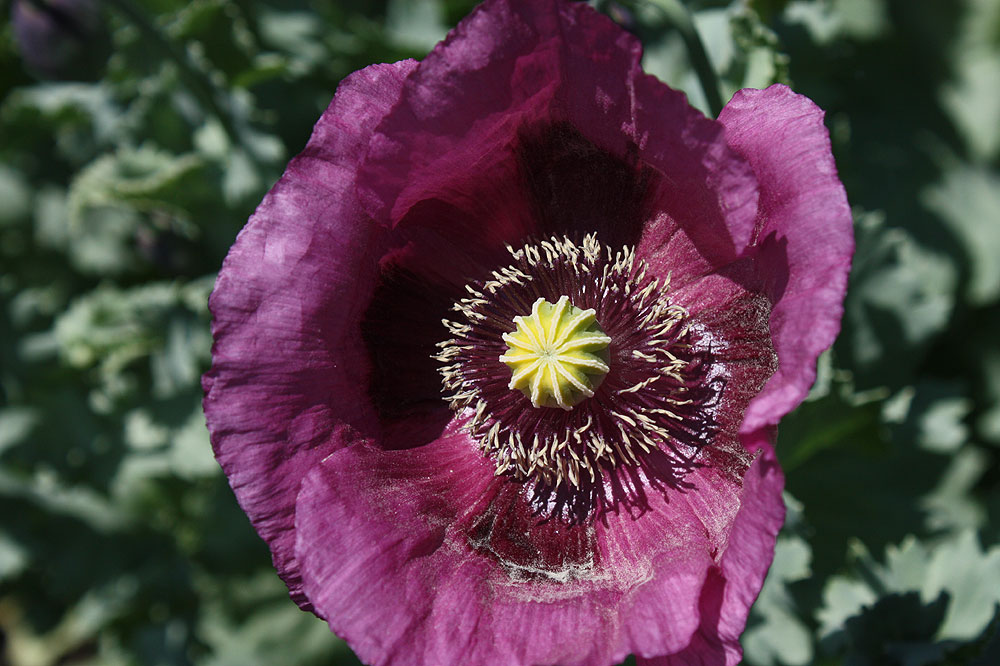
(61, 39)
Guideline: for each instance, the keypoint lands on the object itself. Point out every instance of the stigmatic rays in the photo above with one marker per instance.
(557, 354)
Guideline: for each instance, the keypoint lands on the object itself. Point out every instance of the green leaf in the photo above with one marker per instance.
(265, 633)
(843, 598)
(922, 603)
(900, 296)
(951, 505)
(776, 633)
(968, 200)
(116, 196)
(415, 24)
(740, 47)
(970, 98)
(988, 423)
(862, 19)
(16, 423)
(14, 558)
(15, 195)
(843, 464)
(960, 567)
(294, 32)
(113, 331)
(83, 118)
(932, 414)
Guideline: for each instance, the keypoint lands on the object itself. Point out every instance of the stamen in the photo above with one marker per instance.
(584, 328)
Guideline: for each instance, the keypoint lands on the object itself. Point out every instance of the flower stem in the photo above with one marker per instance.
(679, 16)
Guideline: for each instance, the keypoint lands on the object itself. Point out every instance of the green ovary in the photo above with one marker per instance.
(558, 355)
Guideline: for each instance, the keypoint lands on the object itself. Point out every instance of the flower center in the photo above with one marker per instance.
(585, 328)
(557, 355)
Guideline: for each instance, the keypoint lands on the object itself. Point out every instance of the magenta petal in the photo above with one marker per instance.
(805, 238)
(392, 554)
(288, 362)
(512, 66)
(733, 585)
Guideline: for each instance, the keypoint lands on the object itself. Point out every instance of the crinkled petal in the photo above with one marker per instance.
(731, 315)
(804, 240)
(517, 69)
(532, 119)
(422, 556)
(289, 364)
(733, 585)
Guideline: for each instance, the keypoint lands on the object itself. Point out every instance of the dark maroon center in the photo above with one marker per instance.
(658, 399)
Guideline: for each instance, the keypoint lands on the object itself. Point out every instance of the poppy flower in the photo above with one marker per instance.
(499, 360)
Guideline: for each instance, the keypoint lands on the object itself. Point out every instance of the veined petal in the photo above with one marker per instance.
(419, 557)
(735, 582)
(805, 239)
(506, 92)
(287, 356)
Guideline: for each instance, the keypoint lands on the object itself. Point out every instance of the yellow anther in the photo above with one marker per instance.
(557, 355)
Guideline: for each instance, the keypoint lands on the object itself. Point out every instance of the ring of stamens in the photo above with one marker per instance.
(651, 397)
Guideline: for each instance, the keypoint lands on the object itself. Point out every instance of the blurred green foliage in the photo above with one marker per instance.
(121, 542)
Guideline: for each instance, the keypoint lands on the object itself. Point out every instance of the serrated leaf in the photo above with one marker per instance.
(843, 465)
(114, 197)
(960, 568)
(951, 506)
(111, 330)
(843, 598)
(897, 629)
(932, 414)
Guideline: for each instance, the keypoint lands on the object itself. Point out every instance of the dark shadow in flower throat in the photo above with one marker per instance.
(529, 548)
(400, 329)
(576, 187)
(555, 183)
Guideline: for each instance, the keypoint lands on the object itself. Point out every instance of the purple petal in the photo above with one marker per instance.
(532, 119)
(511, 67)
(729, 308)
(733, 585)
(289, 365)
(805, 236)
(423, 556)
